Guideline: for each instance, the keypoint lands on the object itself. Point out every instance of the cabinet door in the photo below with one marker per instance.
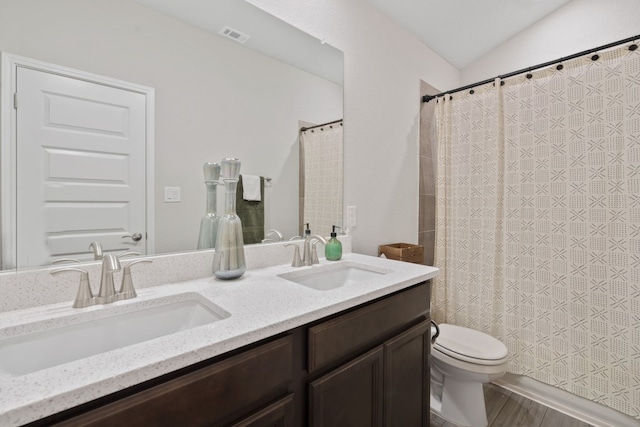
(349, 396)
(407, 377)
(279, 414)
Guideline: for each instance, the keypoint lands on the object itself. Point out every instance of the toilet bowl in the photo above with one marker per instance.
(462, 360)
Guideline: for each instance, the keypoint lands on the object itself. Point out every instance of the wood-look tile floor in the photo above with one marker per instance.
(507, 409)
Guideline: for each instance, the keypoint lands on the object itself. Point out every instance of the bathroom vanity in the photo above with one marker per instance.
(287, 354)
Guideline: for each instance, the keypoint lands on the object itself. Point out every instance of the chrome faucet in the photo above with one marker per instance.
(107, 292)
(279, 237)
(96, 247)
(307, 257)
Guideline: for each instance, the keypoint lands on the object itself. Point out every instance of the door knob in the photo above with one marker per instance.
(136, 237)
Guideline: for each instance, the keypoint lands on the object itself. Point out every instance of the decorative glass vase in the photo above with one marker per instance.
(210, 220)
(228, 259)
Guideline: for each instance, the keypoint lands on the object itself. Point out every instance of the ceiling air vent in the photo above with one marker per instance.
(234, 34)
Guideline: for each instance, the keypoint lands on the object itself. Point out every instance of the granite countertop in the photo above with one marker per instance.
(260, 305)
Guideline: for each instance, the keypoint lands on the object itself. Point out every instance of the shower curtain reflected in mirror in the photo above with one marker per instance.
(538, 222)
(321, 176)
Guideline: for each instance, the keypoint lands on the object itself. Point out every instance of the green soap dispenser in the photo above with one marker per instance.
(333, 248)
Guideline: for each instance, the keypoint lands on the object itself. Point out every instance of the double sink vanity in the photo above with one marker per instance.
(321, 345)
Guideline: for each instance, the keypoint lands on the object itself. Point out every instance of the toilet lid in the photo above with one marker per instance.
(468, 344)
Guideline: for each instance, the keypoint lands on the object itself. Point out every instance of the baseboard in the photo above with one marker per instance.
(565, 402)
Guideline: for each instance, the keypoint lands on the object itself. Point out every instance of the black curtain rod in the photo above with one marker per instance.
(319, 126)
(427, 98)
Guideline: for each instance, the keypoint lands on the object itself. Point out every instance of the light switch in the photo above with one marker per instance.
(172, 194)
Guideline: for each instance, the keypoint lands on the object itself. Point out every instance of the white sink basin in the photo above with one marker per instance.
(83, 335)
(332, 276)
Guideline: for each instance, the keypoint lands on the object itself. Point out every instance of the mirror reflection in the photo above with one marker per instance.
(213, 97)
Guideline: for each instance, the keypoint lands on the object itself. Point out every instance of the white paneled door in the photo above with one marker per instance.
(80, 168)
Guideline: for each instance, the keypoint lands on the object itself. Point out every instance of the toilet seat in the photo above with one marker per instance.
(470, 346)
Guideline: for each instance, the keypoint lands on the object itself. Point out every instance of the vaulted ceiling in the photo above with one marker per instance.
(461, 31)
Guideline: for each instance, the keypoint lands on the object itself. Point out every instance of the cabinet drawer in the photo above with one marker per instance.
(211, 396)
(365, 327)
(279, 414)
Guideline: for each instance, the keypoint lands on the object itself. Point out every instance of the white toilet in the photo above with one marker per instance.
(462, 360)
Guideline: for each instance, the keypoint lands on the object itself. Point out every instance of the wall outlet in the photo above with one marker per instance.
(352, 219)
(172, 194)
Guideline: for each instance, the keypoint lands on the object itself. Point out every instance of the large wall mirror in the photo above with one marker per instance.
(214, 96)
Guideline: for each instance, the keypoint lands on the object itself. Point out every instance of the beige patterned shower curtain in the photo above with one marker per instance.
(321, 151)
(538, 222)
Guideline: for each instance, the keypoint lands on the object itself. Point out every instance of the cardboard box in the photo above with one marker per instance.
(403, 252)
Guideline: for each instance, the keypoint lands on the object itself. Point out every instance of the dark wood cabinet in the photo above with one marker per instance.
(384, 387)
(278, 414)
(352, 395)
(398, 328)
(348, 334)
(367, 366)
(214, 395)
(407, 377)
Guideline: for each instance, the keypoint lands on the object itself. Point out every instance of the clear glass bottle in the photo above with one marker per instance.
(228, 259)
(210, 220)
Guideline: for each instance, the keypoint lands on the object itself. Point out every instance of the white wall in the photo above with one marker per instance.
(577, 26)
(383, 68)
(214, 98)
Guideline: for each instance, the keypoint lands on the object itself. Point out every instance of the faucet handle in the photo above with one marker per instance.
(63, 260)
(126, 288)
(84, 297)
(128, 254)
(314, 253)
(297, 262)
